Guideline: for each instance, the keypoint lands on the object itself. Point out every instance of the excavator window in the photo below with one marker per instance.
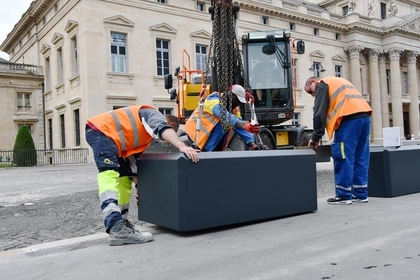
(267, 76)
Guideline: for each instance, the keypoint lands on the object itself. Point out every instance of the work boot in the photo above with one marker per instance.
(360, 200)
(119, 234)
(338, 201)
(130, 225)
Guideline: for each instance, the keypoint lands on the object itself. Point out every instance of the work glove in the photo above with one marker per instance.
(259, 147)
(249, 97)
(263, 147)
(255, 129)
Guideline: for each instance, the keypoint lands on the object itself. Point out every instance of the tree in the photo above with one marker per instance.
(24, 153)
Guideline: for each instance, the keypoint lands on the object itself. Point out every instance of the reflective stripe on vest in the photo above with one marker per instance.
(121, 132)
(208, 122)
(125, 128)
(340, 104)
(344, 100)
(209, 118)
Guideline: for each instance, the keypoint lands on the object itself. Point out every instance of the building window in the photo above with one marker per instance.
(337, 36)
(117, 107)
(292, 26)
(405, 82)
(166, 111)
(63, 131)
(50, 133)
(201, 57)
(388, 80)
(338, 71)
(118, 52)
(59, 66)
(296, 119)
(77, 127)
(316, 31)
(74, 61)
(161, 1)
(47, 74)
(345, 10)
(24, 102)
(383, 10)
(200, 6)
(317, 69)
(264, 20)
(162, 56)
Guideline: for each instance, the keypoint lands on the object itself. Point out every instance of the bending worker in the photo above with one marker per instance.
(128, 176)
(341, 110)
(121, 133)
(211, 136)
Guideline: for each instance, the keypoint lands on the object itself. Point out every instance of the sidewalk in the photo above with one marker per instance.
(376, 240)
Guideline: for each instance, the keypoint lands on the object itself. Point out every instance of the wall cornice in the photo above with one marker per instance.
(32, 16)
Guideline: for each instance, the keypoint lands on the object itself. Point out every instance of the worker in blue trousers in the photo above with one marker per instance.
(340, 109)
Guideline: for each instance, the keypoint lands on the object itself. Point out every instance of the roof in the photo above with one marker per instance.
(309, 5)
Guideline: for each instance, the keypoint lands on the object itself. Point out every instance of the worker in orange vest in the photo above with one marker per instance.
(122, 133)
(340, 109)
(211, 136)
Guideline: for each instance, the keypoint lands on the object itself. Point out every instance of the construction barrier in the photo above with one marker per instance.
(393, 171)
(225, 188)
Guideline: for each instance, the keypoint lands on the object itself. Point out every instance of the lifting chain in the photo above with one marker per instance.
(224, 53)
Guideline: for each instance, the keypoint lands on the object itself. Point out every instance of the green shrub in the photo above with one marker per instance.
(24, 153)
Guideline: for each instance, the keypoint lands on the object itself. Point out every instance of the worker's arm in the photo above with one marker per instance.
(233, 121)
(320, 111)
(156, 122)
(238, 125)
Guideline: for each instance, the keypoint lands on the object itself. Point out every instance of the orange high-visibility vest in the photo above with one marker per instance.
(345, 100)
(125, 128)
(208, 122)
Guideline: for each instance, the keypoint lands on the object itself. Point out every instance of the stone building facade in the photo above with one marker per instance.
(102, 54)
(21, 102)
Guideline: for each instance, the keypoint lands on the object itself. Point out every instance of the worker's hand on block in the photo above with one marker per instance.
(313, 144)
(256, 147)
(190, 152)
(255, 129)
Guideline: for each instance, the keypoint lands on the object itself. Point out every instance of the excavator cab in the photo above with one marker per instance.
(268, 64)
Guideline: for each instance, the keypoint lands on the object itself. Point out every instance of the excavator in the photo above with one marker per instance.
(212, 193)
(266, 71)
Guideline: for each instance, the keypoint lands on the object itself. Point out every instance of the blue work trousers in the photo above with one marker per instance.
(350, 151)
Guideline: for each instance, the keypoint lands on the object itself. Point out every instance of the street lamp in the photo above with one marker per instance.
(317, 67)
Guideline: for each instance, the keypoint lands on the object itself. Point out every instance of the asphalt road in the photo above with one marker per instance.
(371, 241)
(50, 203)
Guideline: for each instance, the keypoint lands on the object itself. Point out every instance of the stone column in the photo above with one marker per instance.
(364, 72)
(354, 53)
(384, 91)
(375, 97)
(396, 92)
(412, 89)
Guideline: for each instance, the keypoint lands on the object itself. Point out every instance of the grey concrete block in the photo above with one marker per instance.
(225, 188)
(393, 171)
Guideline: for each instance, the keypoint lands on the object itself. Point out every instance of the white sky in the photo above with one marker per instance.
(10, 13)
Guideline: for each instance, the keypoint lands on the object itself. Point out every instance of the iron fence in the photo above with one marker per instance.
(43, 157)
